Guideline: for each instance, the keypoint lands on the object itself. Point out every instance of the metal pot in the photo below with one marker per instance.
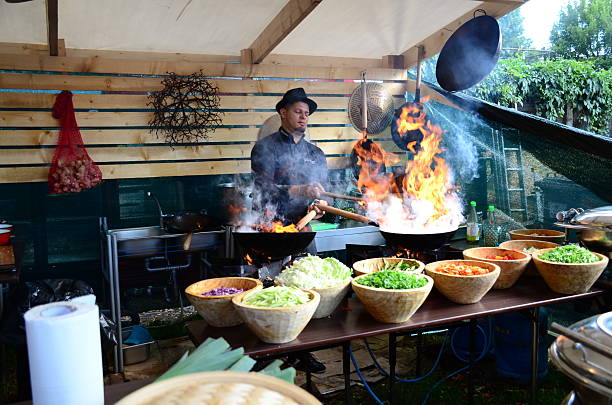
(235, 202)
(587, 366)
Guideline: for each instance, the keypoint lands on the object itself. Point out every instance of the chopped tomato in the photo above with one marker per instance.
(462, 270)
(500, 257)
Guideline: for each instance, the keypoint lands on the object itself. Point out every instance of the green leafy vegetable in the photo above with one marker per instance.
(216, 355)
(570, 254)
(401, 266)
(314, 272)
(393, 280)
(277, 297)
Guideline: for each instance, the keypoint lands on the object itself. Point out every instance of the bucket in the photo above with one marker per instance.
(512, 337)
(460, 340)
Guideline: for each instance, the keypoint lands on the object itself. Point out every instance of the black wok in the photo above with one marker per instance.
(274, 245)
(186, 222)
(470, 54)
(421, 241)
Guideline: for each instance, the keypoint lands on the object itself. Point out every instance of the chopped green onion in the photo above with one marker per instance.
(570, 254)
(393, 280)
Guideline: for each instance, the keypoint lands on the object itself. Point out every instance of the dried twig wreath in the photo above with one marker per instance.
(186, 109)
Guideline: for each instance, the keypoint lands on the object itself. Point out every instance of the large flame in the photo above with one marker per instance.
(276, 227)
(423, 198)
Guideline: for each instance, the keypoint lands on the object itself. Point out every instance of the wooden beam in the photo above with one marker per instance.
(52, 26)
(285, 21)
(502, 1)
(246, 56)
(393, 61)
(61, 47)
(434, 43)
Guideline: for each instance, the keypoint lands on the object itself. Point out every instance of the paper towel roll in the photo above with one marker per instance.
(65, 355)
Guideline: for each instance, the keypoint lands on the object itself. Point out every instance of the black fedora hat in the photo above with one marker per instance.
(293, 96)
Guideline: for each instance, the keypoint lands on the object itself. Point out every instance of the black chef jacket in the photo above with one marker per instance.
(277, 162)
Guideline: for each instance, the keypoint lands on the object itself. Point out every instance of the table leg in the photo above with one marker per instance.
(346, 370)
(535, 325)
(392, 363)
(472, 350)
(304, 356)
(418, 354)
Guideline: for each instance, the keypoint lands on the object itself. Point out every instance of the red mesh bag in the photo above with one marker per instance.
(72, 169)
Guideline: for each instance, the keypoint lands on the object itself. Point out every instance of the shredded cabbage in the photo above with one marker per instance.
(314, 272)
(277, 297)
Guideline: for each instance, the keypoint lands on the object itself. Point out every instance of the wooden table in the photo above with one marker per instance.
(351, 321)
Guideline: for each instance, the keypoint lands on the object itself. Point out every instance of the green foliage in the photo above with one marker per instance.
(550, 86)
(584, 30)
(513, 32)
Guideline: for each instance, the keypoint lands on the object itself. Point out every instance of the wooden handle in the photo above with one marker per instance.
(187, 243)
(304, 221)
(346, 214)
(342, 197)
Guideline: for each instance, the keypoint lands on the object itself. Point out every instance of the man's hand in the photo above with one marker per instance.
(319, 211)
(310, 191)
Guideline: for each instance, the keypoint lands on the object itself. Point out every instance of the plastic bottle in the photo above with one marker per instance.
(473, 227)
(490, 229)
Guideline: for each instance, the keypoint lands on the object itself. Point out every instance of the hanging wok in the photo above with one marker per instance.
(470, 54)
(273, 245)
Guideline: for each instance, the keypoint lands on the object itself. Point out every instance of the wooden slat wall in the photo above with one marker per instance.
(114, 124)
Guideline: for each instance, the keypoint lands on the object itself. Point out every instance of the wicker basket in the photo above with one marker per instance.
(218, 310)
(521, 244)
(221, 387)
(391, 306)
(277, 325)
(371, 265)
(463, 289)
(569, 278)
(510, 270)
(546, 235)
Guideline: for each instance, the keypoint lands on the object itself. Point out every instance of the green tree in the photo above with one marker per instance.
(513, 31)
(584, 30)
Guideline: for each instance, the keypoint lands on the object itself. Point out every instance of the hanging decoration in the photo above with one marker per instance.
(186, 110)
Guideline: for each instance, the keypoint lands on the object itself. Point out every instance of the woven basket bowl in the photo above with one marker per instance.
(331, 297)
(546, 235)
(371, 265)
(569, 278)
(510, 270)
(463, 289)
(221, 387)
(218, 310)
(277, 325)
(391, 306)
(526, 244)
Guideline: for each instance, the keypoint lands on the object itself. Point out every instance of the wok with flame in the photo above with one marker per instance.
(273, 240)
(420, 208)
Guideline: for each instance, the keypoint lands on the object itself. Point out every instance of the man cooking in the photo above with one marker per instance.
(288, 171)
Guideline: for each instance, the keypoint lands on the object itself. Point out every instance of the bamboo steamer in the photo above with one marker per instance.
(521, 244)
(221, 387)
(368, 266)
(547, 235)
(330, 298)
(463, 289)
(277, 325)
(218, 310)
(569, 278)
(510, 270)
(391, 306)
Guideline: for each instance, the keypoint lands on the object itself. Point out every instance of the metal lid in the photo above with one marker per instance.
(600, 217)
(581, 363)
